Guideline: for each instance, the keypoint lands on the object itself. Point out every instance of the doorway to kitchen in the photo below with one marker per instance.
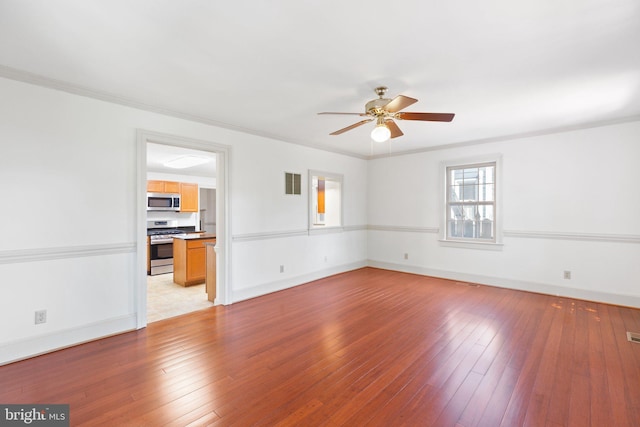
(191, 216)
(177, 180)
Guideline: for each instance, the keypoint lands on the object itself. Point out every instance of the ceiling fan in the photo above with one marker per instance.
(384, 111)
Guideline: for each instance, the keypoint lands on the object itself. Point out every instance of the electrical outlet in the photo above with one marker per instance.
(567, 274)
(282, 269)
(41, 317)
(406, 256)
(325, 258)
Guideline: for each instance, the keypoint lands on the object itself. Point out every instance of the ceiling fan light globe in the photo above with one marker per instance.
(380, 133)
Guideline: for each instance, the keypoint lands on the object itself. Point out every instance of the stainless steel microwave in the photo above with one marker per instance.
(163, 202)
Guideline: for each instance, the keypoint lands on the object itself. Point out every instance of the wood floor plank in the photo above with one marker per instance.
(494, 359)
(579, 413)
(559, 359)
(616, 393)
(600, 410)
(630, 370)
(534, 341)
(546, 373)
(368, 347)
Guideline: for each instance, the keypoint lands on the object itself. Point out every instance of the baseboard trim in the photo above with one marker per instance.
(279, 285)
(520, 285)
(14, 351)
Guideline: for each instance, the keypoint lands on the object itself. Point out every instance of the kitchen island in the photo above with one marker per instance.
(189, 258)
(210, 271)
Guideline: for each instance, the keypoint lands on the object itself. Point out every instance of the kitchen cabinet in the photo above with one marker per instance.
(188, 197)
(188, 192)
(148, 255)
(154, 186)
(189, 258)
(210, 272)
(171, 187)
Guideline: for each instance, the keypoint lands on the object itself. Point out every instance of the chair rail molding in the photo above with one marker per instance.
(45, 254)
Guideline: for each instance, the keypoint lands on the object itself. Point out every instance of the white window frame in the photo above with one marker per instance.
(313, 205)
(473, 243)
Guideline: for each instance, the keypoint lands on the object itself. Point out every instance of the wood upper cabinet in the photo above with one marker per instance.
(154, 186)
(188, 192)
(188, 197)
(171, 187)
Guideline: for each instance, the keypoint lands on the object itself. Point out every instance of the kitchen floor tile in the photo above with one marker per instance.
(168, 299)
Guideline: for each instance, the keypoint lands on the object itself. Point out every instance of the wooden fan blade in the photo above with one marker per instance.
(345, 114)
(426, 117)
(355, 125)
(393, 127)
(398, 103)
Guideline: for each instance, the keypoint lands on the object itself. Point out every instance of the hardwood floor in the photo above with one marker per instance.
(369, 347)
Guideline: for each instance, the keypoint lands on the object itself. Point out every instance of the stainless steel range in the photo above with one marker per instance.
(161, 235)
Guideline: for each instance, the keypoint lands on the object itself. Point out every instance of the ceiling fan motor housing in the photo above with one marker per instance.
(375, 107)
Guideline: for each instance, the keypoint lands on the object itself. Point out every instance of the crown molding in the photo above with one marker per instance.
(60, 85)
(513, 136)
(63, 86)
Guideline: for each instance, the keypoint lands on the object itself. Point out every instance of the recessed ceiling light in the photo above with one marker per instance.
(185, 162)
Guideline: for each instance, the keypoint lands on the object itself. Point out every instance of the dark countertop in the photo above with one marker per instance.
(196, 236)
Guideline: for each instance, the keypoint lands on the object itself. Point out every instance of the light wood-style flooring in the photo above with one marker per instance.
(365, 348)
(165, 298)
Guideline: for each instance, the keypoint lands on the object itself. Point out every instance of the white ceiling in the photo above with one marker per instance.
(159, 154)
(504, 67)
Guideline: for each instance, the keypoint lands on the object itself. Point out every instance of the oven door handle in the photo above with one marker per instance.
(161, 241)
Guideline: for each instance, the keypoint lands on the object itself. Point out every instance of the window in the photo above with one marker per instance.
(325, 200)
(471, 202)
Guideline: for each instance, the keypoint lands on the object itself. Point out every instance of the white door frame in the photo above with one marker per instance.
(223, 217)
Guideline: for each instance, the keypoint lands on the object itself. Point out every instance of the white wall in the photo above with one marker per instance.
(68, 167)
(571, 201)
(270, 227)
